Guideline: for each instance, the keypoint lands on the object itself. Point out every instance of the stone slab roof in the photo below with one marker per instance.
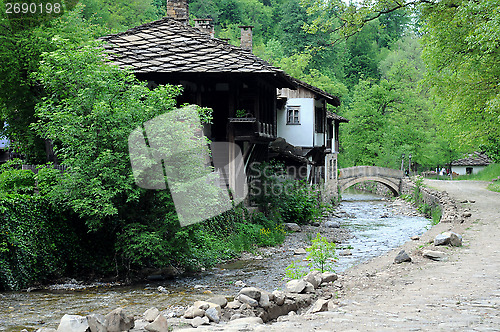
(473, 159)
(169, 46)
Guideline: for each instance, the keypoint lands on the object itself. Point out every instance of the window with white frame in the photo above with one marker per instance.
(292, 115)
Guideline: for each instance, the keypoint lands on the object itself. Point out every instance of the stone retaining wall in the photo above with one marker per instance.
(449, 209)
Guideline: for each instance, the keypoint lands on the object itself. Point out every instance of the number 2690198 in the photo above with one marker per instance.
(33, 8)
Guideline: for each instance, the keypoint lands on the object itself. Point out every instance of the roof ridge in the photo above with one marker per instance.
(198, 35)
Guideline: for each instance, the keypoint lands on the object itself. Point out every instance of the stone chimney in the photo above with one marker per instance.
(246, 37)
(179, 10)
(205, 25)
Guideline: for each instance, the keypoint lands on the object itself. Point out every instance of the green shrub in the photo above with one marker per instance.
(17, 181)
(299, 203)
(295, 271)
(321, 254)
(436, 214)
(35, 244)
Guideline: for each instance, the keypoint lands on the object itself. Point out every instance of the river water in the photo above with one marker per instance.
(374, 227)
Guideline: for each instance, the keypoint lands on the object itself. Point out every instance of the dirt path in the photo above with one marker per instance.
(460, 294)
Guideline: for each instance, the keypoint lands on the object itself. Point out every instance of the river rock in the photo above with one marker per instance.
(319, 306)
(234, 304)
(73, 323)
(244, 324)
(163, 290)
(328, 277)
(293, 227)
(279, 297)
(139, 325)
(295, 286)
(207, 305)
(240, 283)
(309, 288)
(314, 277)
(415, 237)
(46, 329)
(220, 300)
(151, 314)
(332, 224)
(245, 306)
(299, 251)
(237, 316)
(248, 300)
(450, 238)
(264, 301)
(97, 323)
(212, 314)
(434, 255)
(198, 321)
(160, 324)
(252, 292)
(345, 252)
(402, 257)
(193, 312)
(119, 321)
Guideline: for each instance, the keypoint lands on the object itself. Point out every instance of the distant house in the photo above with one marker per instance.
(306, 124)
(471, 164)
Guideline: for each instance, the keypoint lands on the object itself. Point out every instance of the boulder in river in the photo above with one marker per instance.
(193, 312)
(160, 324)
(119, 321)
(219, 299)
(73, 323)
(212, 314)
(402, 257)
(264, 301)
(295, 286)
(198, 321)
(299, 251)
(332, 224)
(248, 300)
(234, 304)
(279, 297)
(314, 277)
(328, 277)
(97, 323)
(252, 292)
(293, 227)
(309, 288)
(151, 314)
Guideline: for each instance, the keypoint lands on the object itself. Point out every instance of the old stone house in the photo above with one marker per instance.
(243, 90)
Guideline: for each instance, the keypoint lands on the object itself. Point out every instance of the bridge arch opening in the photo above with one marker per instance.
(390, 185)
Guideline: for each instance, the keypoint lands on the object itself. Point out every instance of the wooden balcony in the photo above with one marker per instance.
(249, 129)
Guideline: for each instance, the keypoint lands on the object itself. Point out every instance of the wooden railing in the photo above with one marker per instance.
(252, 127)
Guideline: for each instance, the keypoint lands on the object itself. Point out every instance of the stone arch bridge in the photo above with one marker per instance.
(389, 177)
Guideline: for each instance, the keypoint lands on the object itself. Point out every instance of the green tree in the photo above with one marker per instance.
(21, 48)
(461, 50)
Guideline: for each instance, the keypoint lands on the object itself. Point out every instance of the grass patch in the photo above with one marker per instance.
(494, 186)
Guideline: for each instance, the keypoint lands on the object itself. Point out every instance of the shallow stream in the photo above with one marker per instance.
(374, 227)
